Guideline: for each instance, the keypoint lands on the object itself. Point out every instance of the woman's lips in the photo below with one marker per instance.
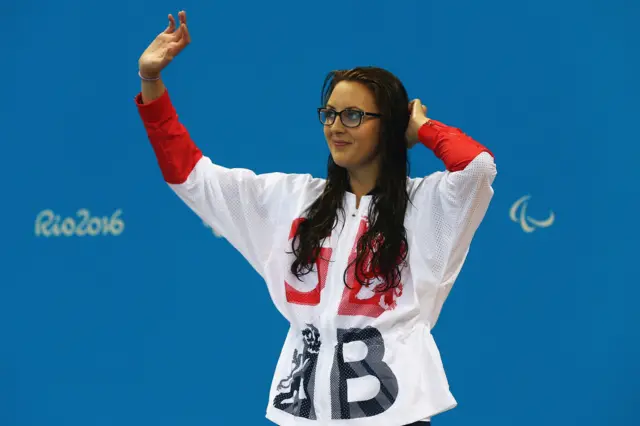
(339, 143)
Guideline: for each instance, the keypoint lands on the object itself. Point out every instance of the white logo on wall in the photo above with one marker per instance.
(518, 214)
(50, 224)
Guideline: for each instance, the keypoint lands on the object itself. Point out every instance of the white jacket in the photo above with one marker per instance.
(351, 357)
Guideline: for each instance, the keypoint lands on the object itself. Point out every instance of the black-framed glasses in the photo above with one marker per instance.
(350, 117)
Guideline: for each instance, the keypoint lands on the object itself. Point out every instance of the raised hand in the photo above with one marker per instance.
(418, 117)
(166, 46)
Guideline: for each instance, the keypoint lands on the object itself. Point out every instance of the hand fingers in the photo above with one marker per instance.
(172, 25)
(182, 17)
(182, 39)
(181, 35)
(415, 105)
(186, 35)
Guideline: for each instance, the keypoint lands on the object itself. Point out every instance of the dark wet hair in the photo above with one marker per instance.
(382, 249)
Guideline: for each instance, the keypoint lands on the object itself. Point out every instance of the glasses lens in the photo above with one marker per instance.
(327, 116)
(351, 117)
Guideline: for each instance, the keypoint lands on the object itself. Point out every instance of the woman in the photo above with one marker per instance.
(359, 263)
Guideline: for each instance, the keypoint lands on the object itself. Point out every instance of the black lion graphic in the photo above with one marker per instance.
(295, 393)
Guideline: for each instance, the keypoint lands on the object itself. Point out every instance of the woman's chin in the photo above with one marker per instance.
(341, 160)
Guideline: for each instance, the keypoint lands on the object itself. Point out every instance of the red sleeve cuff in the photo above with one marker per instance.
(428, 133)
(450, 144)
(158, 110)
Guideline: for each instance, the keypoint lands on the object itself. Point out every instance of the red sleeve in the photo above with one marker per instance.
(449, 144)
(176, 153)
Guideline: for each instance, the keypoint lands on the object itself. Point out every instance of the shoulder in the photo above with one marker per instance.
(269, 182)
(418, 185)
(480, 170)
(293, 183)
(290, 193)
(425, 196)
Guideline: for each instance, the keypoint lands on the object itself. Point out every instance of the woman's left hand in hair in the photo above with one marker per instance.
(418, 117)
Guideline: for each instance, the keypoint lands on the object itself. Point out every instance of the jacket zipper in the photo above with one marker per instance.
(334, 285)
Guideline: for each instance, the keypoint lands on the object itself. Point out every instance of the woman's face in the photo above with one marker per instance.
(353, 148)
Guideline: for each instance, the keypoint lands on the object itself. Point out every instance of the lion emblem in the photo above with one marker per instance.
(295, 392)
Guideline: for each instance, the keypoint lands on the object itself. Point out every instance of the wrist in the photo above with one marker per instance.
(428, 133)
(148, 76)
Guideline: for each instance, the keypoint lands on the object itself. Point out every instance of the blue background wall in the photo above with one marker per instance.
(144, 327)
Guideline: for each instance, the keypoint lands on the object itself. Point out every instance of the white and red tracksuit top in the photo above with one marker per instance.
(352, 356)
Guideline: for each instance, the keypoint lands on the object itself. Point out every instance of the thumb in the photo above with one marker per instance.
(416, 106)
(420, 109)
(413, 105)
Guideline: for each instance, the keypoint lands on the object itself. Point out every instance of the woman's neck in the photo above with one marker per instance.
(363, 181)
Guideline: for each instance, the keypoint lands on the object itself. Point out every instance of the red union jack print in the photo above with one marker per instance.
(318, 276)
(369, 300)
